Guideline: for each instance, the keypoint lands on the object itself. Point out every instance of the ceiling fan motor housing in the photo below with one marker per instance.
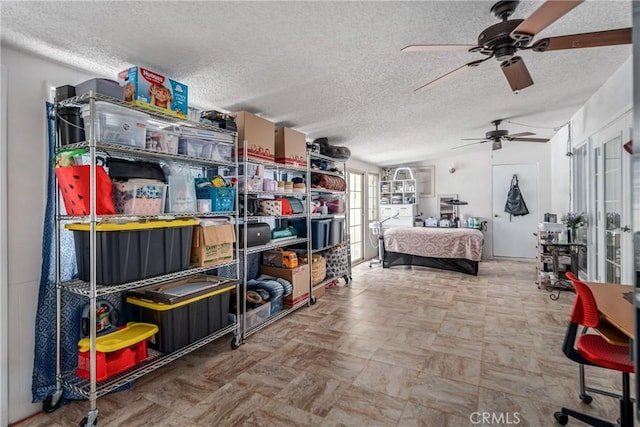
(496, 135)
(497, 40)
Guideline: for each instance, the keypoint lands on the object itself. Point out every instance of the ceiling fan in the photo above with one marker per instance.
(497, 136)
(502, 41)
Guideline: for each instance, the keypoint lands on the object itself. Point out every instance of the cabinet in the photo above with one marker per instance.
(446, 210)
(398, 192)
(98, 144)
(398, 202)
(261, 316)
(329, 227)
(554, 259)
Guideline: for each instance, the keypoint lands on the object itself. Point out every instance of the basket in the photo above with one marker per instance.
(318, 267)
(137, 198)
(222, 198)
(75, 187)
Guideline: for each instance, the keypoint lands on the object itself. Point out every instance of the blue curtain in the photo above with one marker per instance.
(72, 305)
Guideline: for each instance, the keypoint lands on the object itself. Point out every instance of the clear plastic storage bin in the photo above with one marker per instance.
(161, 141)
(195, 147)
(139, 198)
(116, 124)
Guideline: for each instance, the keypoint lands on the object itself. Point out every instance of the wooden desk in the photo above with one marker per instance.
(613, 307)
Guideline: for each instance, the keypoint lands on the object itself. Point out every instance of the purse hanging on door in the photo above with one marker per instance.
(515, 203)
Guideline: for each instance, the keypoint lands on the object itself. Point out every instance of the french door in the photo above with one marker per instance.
(613, 237)
(356, 215)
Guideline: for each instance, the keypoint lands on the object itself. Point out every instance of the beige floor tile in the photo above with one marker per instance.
(446, 395)
(312, 393)
(452, 366)
(363, 407)
(415, 415)
(393, 380)
(396, 347)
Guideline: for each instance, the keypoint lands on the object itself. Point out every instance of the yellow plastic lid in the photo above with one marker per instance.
(133, 225)
(160, 306)
(133, 333)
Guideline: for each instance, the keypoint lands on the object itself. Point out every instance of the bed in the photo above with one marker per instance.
(455, 249)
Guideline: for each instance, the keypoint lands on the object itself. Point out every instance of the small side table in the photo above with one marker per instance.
(561, 283)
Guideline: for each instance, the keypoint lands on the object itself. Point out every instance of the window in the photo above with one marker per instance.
(581, 198)
(425, 177)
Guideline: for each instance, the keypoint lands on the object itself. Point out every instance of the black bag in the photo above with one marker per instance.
(253, 206)
(258, 233)
(124, 170)
(515, 203)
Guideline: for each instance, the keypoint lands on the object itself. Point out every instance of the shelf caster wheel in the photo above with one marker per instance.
(561, 418)
(313, 300)
(235, 343)
(586, 399)
(49, 405)
(85, 422)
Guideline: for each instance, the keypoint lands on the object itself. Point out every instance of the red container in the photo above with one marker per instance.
(75, 185)
(112, 363)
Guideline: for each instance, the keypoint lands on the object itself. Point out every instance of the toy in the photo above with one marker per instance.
(280, 258)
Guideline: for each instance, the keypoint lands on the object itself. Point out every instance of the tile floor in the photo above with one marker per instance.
(397, 347)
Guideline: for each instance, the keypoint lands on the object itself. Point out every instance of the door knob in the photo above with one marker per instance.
(626, 229)
(496, 215)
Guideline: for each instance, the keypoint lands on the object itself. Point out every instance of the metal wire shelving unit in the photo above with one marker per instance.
(91, 388)
(246, 250)
(323, 191)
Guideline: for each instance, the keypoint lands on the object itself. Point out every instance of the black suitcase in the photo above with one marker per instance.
(258, 233)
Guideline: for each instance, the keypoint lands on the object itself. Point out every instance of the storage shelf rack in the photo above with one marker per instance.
(154, 361)
(247, 219)
(80, 287)
(90, 388)
(311, 191)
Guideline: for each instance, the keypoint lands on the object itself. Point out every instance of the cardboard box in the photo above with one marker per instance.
(154, 91)
(259, 134)
(319, 292)
(212, 244)
(298, 277)
(291, 147)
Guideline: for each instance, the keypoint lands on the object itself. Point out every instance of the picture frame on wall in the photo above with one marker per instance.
(425, 178)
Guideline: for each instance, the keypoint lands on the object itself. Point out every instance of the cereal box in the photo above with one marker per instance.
(154, 91)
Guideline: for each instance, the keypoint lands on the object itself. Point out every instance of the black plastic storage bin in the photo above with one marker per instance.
(185, 322)
(134, 251)
(70, 125)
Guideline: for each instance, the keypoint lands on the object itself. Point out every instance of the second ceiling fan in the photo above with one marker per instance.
(497, 136)
(502, 41)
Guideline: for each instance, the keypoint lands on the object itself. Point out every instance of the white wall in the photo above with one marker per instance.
(612, 100)
(472, 180)
(26, 177)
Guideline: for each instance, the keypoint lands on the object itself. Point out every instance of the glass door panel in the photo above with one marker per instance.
(612, 197)
(356, 213)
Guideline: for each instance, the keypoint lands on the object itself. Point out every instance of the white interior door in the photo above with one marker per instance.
(513, 235)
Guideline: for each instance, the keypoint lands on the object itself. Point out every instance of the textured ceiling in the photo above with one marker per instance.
(331, 69)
